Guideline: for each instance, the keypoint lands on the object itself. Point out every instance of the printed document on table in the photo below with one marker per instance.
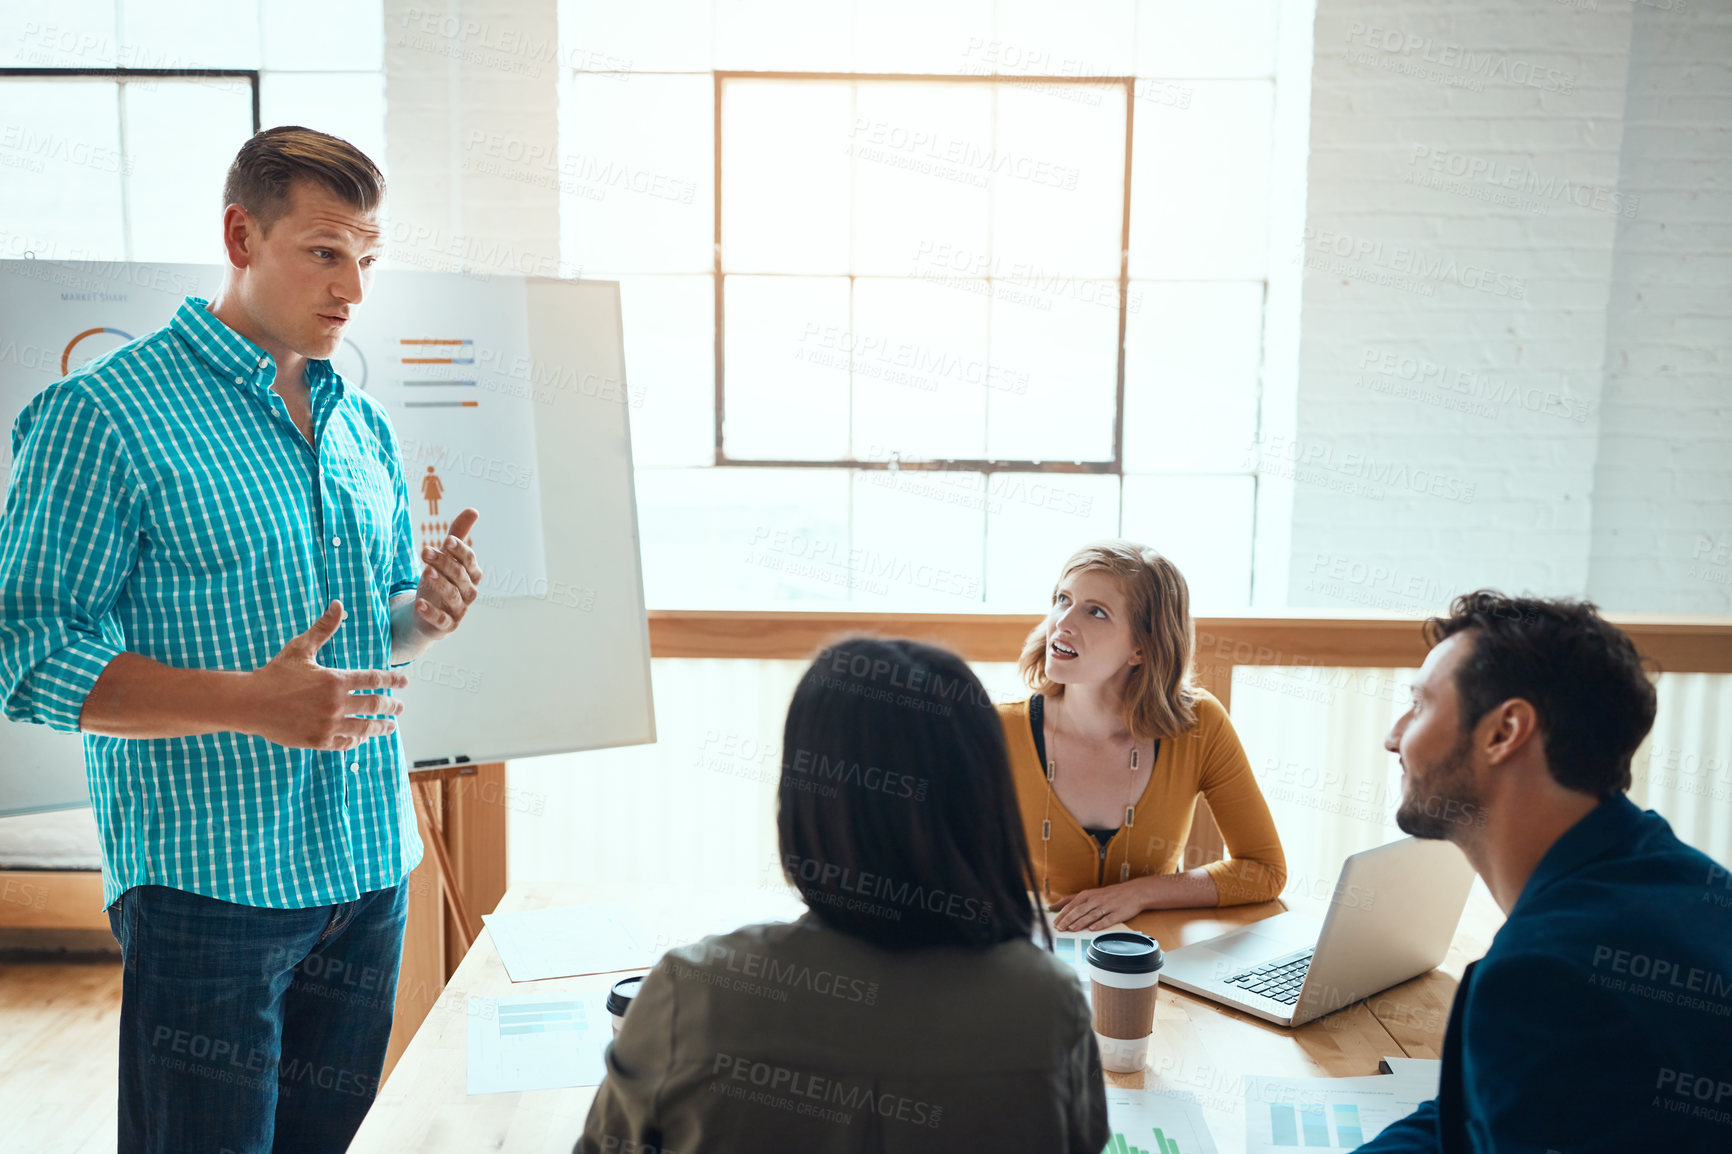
(1156, 1122)
(537, 1042)
(566, 941)
(1284, 1114)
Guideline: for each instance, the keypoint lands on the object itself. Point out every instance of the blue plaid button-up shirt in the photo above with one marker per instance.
(163, 502)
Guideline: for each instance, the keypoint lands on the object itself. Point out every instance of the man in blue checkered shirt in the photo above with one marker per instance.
(207, 567)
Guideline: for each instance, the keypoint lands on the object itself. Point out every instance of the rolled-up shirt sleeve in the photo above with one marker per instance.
(68, 542)
(402, 566)
(405, 576)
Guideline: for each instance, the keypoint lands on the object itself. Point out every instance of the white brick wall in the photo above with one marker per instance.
(1662, 502)
(1454, 309)
(1578, 408)
(472, 132)
(1509, 365)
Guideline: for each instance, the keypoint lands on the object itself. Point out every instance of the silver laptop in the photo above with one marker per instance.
(1392, 916)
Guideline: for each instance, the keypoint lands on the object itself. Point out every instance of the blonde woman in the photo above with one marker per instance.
(1116, 743)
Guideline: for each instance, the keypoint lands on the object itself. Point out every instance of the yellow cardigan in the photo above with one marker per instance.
(1206, 759)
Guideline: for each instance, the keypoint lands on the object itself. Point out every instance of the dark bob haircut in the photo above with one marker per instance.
(897, 815)
(1581, 674)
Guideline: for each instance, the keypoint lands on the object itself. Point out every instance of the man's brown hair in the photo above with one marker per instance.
(260, 176)
(1589, 687)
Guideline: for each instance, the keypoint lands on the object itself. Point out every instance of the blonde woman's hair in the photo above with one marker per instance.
(1160, 699)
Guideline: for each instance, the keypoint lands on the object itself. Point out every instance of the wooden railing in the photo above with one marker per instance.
(475, 821)
(1313, 638)
(1323, 638)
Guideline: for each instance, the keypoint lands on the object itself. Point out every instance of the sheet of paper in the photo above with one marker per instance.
(1072, 950)
(1424, 1073)
(1283, 1114)
(1156, 1122)
(566, 941)
(454, 373)
(537, 1042)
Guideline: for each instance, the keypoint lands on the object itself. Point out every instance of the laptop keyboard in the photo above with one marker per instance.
(1279, 979)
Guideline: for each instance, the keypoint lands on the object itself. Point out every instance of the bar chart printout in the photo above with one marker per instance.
(1312, 1127)
(536, 1042)
(1073, 951)
(1283, 1114)
(1152, 1122)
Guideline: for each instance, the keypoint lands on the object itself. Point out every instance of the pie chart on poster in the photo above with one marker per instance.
(90, 344)
(350, 364)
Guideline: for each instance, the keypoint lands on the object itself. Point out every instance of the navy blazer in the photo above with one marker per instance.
(1601, 1017)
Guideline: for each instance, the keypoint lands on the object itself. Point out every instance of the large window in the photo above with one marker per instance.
(896, 332)
(929, 269)
(118, 120)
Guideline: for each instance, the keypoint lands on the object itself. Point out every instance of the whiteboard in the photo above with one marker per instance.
(510, 393)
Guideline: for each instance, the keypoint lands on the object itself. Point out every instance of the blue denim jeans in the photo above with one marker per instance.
(246, 1030)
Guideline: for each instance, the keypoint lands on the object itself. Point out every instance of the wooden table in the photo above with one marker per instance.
(1199, 1046)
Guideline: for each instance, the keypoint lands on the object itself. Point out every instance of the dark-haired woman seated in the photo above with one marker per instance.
(1116, 744)
(910, 1009)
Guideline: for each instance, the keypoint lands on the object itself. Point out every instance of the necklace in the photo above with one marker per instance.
(1046, 818)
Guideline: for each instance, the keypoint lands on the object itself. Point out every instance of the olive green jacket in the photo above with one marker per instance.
(796, 1037)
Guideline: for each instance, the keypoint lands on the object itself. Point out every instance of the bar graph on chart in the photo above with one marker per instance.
(1284, 1114)
(1073, 951)
(1162, 1145)
(1152, 1122)
(1308, 1125)
(536, 1043)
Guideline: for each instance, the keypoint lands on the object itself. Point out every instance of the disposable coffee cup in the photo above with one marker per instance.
(619, 999)
(1124, 971)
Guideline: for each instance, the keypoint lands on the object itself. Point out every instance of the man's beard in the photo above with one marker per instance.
(1448, 804)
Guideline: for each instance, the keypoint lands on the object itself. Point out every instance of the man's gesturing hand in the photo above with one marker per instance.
(450, 582)
(300, 703)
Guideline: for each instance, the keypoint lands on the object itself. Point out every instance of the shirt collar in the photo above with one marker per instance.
(234, 358)
(1608, 827)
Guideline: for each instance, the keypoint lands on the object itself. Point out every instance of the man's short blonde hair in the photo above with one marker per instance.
(260, 177)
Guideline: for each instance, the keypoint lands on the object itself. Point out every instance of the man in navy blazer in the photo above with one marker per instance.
(1601, 1017)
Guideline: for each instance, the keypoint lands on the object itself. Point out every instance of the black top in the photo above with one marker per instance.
(1038, 726)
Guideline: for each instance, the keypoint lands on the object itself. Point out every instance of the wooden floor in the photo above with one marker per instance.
(59, 1055)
